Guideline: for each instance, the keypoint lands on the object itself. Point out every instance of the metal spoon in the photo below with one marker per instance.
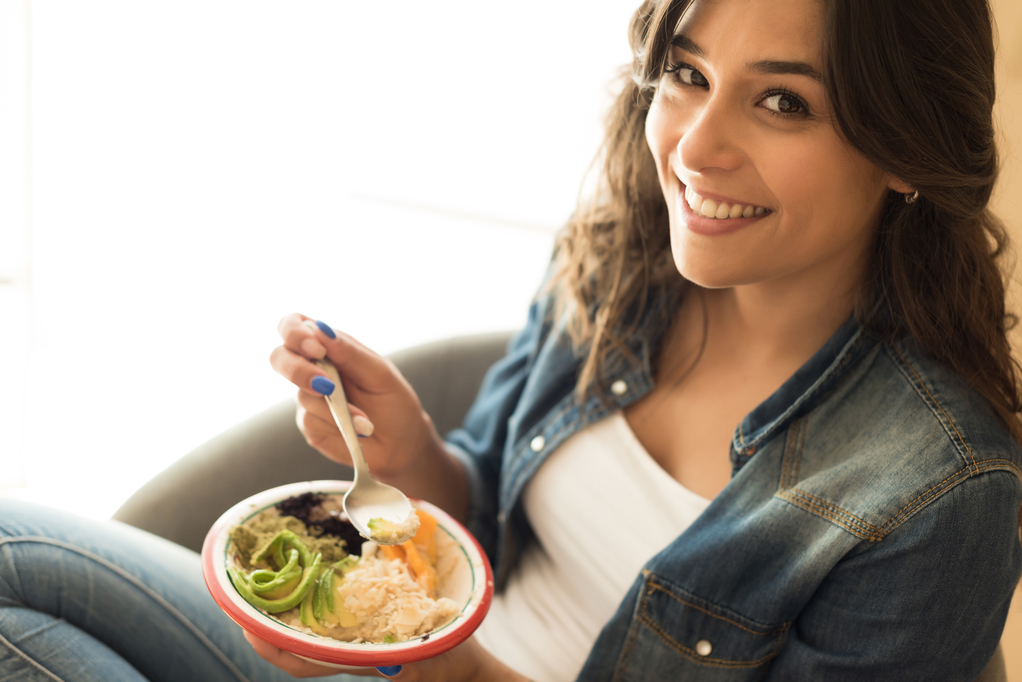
(367, 499)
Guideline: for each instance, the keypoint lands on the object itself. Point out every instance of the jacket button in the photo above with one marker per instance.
(619, 387)
(501, 517)
(537, 443)
(703, 647)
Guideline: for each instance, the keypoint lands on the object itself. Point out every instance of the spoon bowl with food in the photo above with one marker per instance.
(287, 566)
(379, 512)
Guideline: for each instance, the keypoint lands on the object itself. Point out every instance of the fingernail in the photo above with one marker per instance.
(325, 328)
(313, 349)
(389, 670)
(323, 386)
(363, 427)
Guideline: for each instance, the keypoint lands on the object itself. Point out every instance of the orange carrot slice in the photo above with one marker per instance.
(394, 552)
(423, 537)
(421, 571)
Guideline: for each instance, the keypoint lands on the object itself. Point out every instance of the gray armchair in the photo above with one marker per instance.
(267, 450)
(247, 458)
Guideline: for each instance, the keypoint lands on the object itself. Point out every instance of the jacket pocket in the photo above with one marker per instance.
(677, 636)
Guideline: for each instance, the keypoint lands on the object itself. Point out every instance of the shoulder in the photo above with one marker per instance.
(897, 434)
(962, 420)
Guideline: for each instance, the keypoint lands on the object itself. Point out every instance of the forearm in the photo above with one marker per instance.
(498, 672)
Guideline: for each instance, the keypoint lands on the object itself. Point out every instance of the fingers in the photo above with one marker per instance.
(301, 335)
(301, 372)
(323, 436)
(289, 663)
(317, 412)
(467, 661)
(311, 339)
(303, 343)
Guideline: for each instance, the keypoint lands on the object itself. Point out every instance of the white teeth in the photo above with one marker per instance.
(708, 208)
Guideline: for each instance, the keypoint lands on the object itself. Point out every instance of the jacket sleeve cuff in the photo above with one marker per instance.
(481, 520)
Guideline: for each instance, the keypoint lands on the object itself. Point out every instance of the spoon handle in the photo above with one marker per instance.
(338, 404)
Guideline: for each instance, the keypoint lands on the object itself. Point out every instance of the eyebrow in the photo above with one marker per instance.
(766, 66)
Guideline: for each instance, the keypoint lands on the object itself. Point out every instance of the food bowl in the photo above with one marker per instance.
(470, 584)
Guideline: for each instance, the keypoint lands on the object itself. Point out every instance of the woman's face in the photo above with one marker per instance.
(741, 129)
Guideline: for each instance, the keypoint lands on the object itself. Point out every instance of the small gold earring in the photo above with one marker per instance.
(912, 198)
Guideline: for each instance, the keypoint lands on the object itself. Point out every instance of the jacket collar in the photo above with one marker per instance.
(798, 395)
(805, 388)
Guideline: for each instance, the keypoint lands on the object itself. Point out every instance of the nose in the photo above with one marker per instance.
(712, 139)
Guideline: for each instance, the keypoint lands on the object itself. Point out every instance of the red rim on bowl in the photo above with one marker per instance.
(215, 550)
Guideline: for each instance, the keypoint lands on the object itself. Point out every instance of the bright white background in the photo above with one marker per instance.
(176, 176)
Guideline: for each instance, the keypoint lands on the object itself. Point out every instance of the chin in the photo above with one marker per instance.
(710, 270)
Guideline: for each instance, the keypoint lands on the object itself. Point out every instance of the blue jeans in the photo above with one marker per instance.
(104, 602)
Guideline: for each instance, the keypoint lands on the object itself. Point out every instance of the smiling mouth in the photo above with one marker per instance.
(721, 210)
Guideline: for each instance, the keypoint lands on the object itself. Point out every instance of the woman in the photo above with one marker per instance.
(792, 236)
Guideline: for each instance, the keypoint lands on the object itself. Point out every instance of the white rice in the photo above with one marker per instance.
(382, 595)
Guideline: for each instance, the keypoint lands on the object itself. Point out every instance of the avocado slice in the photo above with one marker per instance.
(308, 617)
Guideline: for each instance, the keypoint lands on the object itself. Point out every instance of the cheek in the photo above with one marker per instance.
(817, 183)
(828, 201)
(659, 135)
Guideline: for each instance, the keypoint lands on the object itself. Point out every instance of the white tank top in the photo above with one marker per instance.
(589, 550)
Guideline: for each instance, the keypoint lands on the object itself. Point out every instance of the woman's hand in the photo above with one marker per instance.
(375, 390)
(402, 447)
(467, 662)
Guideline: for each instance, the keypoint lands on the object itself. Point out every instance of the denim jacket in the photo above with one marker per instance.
(869, 530)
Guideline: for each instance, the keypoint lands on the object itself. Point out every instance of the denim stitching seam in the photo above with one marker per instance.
(780, 632)
(872, 533)
(947, 484)
(833, 514)
(843, 358)
(31, 661)
(765, 633)
(793, 454)
(801, 445)
(836, 509)
(633, 635)
(692, 655)
(947, 417)
(670, 585)
(144, 588)
(786, 460)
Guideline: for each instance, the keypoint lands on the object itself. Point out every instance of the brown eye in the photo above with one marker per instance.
(785, 104)
(687, 75)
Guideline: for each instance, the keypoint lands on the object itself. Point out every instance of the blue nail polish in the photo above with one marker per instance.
(389, 669)
(323, 386)
(325, 328)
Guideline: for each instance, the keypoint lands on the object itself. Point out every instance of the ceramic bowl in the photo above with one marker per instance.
(470, 585)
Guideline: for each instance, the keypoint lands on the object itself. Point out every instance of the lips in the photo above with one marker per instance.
(692, 208)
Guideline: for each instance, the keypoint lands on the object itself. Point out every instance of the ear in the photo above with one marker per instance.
(899, 186)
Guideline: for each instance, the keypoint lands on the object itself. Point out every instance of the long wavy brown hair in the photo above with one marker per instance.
(912, 87)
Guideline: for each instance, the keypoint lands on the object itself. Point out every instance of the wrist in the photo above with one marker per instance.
(434, 474)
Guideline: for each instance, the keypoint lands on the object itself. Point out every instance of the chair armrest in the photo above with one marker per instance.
(182, 502)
